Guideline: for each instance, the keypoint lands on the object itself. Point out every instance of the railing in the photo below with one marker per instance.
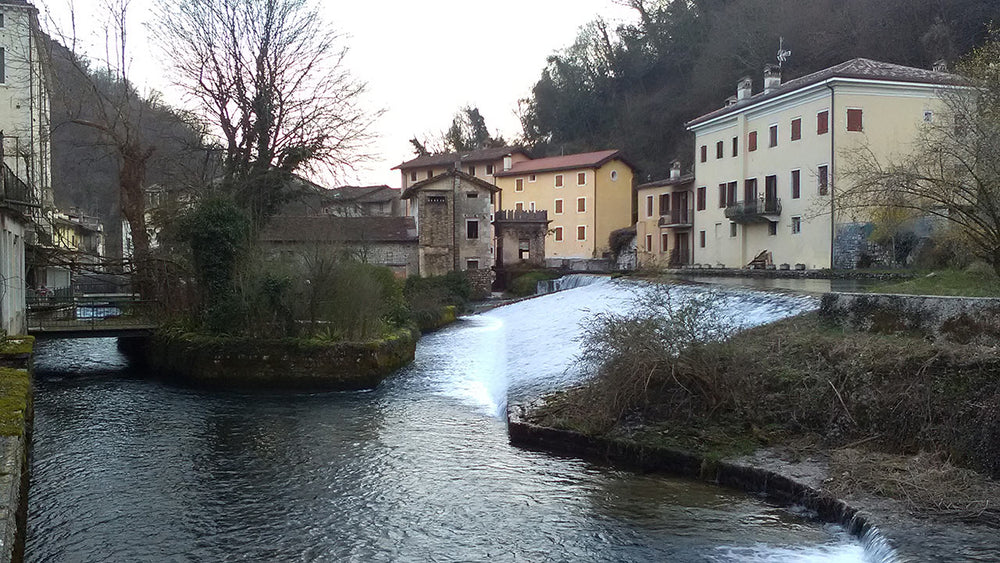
(537, 216)
(63, 312)
(16, 192)
(754, 210)
(683, 217)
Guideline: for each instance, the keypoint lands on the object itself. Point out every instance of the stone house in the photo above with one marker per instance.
(481, 163)
(767, 164)
(382, 241)
(453, 213)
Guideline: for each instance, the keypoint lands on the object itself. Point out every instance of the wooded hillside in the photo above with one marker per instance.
(634, 87)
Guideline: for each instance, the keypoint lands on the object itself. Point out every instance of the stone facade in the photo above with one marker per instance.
(452, 212)
(521, 238)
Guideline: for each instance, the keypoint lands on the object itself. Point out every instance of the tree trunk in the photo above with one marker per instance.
(131, 181)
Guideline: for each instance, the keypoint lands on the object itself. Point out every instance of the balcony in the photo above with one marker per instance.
(682, 218)
(759, 210)
(16, 194)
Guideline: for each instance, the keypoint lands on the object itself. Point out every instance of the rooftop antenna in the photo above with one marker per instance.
(783, 53)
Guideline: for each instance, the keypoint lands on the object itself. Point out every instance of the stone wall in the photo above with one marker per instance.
(282, 364)
(16, 419)
(957, 319)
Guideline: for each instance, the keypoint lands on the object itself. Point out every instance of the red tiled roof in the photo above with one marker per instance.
(566, 162)
(408, 192)
(855, 68)
(449, 159)
(324, 228)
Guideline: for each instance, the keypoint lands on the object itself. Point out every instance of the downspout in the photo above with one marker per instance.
(593, 253)
(829, 177)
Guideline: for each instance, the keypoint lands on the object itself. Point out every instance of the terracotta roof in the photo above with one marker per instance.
(685, 179)
(449, 159)
(324, 228)
(866, 69)
(566, 162)
(408, 192)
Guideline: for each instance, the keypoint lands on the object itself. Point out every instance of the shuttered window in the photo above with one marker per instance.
(822, 122)
(796, 129)
(752, 141)
(854, 120)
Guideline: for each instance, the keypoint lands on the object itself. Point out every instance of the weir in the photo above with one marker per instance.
(419, 469)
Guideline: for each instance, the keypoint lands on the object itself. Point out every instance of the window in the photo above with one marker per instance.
(664, 242)
(701, 239)
(614, 175)
(731, 193)
(532, 178)
(772, 136)
(928, 116)
(430, 174)
(519, 185)
(770, 189)
(796, 183)
(719, 149)
(736, 146)
(436, 199)
(732, 229)
(519, 206)
(558, 206)
(531, 206)
(649, 206)
(701, 198)
(472, 171)
(649, 243)
(752, 141)
(772, 228)
(704, 153)
(472, 229)
(472, 195)
(3, 65)
(581, 204)
(2, 23)
(559, 180)
(558, 234)
(489, 169)
(722, 195)
(854, 118)
(581, 232)
(581, 178)
(750, 190)
(472, 264)
(823, 179)
(796, 225)
(822, 122)
(796, 128)
(664, 204)
(413, 176)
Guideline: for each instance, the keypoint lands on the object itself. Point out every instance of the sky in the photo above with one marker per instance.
(422, 60)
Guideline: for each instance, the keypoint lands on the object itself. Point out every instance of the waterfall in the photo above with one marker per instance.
(571, 281)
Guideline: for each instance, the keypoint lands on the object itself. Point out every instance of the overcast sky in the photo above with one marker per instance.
(422, 60)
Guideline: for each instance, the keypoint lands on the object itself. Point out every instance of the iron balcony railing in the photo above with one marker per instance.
(15, 192)
(756, 210)
(678, 218)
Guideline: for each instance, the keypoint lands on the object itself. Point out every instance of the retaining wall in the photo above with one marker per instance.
(291, 364)
(957, 319)
(16, 418)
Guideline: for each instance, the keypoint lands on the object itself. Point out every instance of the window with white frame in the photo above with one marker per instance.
(581, 232)
(581, 205)
(796, 225)
(559, 180)
(557, 233)
(558, 206)
(581, 178)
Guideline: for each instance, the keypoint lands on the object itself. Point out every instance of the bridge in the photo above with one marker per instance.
(90, 315)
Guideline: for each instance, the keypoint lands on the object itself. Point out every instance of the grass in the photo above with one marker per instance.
(976, 282)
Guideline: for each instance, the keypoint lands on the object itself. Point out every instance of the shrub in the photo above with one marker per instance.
(527, 284)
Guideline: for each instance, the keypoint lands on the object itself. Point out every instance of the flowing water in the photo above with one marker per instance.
(126, 468)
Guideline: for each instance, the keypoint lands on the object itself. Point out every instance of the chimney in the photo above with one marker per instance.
(744, 88)
(731, 101)
(772, 77)
(675, 170)
(940, 65)
(507, 163)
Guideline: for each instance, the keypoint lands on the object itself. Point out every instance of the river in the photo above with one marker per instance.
(128, 468)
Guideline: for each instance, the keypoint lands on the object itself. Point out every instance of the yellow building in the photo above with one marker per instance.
(766, 164)
(587, 195)
(665, 221)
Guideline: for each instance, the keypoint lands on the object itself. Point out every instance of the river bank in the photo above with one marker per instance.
(851, 411)
(16, 417)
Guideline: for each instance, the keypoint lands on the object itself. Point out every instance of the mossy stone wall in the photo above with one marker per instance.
(957, 319)
(287, 363)
(16, 418)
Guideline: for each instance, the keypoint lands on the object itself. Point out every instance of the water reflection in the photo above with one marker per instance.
(128, 469)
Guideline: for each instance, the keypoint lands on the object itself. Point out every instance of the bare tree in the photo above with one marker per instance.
(953, 173)
(269, 78)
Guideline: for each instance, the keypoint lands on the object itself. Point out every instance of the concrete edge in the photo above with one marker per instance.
(745, 477)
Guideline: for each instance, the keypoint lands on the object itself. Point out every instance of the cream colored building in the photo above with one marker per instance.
(587, 195)
(766, 164)
(665, 221)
